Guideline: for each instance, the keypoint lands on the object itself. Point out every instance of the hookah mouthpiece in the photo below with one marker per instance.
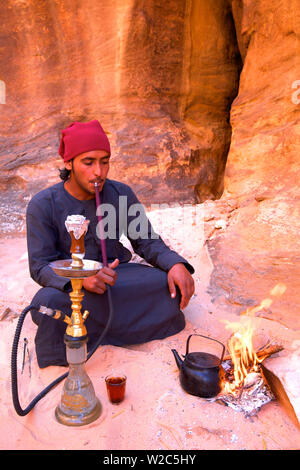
(102, 240)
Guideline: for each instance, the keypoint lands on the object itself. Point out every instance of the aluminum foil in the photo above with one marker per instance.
(250, 398)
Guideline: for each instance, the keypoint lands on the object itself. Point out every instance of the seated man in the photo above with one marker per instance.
(147, 300)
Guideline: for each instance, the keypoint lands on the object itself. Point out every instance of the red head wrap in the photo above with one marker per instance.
(81, 137)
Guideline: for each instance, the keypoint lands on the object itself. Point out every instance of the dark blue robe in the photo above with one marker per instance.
(143, 308)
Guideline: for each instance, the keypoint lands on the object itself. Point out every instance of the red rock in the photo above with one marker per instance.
(283, 376)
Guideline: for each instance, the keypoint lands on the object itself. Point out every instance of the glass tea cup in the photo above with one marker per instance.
(115, 386)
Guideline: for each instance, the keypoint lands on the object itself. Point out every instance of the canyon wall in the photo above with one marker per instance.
(260, 247)
(160, 77)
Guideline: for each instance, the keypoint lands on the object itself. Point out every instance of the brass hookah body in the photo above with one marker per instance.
(79, 404)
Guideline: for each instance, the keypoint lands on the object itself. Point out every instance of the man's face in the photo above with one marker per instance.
(86, 169)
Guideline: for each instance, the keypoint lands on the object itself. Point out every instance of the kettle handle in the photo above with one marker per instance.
(212, 339)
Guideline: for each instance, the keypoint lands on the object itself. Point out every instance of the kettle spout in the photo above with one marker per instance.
(178, 359)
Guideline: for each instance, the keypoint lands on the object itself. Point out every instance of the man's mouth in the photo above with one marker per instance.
(97, 182)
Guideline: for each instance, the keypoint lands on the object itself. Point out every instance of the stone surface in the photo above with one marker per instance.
(260, 245)
(258, 248)
(283, 375)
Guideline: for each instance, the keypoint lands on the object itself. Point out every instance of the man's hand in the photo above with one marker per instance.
(106, 275)
(179, 276)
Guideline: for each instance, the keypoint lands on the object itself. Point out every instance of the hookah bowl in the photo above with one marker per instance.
(79, 404)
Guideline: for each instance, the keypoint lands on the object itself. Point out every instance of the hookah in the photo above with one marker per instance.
(79, 404)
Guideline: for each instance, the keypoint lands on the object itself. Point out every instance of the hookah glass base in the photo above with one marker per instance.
(79, 405)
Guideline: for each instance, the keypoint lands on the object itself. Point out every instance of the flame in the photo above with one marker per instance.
(242, 352)
(240, 345)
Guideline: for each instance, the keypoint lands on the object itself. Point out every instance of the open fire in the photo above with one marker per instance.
(244, 386)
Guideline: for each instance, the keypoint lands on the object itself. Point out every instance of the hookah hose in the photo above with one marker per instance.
(14, 370)
(103, 247)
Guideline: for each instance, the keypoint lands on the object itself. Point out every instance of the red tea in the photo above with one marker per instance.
(115, 388)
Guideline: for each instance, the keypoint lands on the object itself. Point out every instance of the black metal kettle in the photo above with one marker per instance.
(201, 373)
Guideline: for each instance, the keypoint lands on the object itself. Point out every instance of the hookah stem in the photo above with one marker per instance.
(98, 203)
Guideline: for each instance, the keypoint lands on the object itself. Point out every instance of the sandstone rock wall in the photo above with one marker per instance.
(264, 151)
(260, 246)
(159, 76)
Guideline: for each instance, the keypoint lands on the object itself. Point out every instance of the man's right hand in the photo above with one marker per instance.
(106, 275)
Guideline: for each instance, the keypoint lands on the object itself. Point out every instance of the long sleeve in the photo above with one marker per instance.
(42, 244)
(149, 245)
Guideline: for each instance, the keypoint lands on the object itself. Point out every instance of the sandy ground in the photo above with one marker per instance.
(156, 413)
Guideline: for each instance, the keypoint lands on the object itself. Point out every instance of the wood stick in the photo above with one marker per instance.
(172, 431)
(264, 352)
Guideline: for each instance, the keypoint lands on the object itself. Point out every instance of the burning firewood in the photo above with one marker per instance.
(264, 352)
(252, 392)
(244, 386)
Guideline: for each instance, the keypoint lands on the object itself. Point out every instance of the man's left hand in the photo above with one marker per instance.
(180, 276)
